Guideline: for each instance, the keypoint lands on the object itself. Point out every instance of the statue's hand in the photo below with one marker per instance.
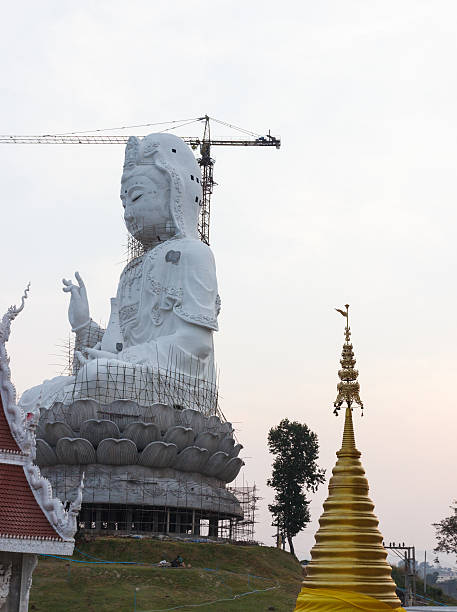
(97, 354)
(94, 354)
(78, 310)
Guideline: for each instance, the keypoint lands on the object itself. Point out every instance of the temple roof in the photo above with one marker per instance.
(20, 513)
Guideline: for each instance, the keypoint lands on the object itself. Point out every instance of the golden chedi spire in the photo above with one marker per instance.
(348, 561)
(348, 388)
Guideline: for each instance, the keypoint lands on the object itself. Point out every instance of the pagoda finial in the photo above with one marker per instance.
(348, 388)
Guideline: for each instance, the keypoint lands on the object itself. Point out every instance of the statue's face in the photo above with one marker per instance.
(145, 195)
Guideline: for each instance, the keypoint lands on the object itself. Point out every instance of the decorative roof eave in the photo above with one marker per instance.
(13, 458)
(44, 546)
(13, 413)
(63, 521)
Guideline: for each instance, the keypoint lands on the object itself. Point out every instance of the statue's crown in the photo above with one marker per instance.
(140, 151)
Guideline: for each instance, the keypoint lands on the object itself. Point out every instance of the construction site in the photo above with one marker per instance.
(147, 436)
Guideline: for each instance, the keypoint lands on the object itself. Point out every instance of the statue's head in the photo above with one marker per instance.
(160, 188)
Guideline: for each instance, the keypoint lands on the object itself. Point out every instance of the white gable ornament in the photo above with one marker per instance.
(32, 521)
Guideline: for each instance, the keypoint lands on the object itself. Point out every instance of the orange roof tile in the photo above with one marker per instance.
(7, 442)
(20, 514)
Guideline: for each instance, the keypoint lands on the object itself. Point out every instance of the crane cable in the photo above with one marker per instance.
(126, 127)
(235, 127)
(173, 126)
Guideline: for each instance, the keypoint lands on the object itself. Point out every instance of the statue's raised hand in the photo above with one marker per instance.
(78, 310)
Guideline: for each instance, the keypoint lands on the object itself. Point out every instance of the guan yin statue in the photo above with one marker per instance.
(139, 415)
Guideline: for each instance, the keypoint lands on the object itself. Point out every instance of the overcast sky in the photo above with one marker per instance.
(357, 206)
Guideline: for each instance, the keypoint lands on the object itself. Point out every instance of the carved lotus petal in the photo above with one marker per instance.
(214, 424)
(40, 431)
(147, 414)
(235, 451)
(207, 440)
(227, 427)
(159, 454)
(150, 412)
(117, 452)
(160, 414)
(194, 419)
(75, 451)
(57, 430)
(96, 431)
(78, 412)
(230, 471)
(227, 444)
(45, 455)
(55, 413)
(181, 436)
(215, 463)
(121, 412)
(192, 459)
(142, 433)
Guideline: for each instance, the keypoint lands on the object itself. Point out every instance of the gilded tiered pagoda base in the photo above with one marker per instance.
(337, 600)
(349, 554)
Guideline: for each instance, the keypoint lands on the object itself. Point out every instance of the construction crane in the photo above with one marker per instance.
(204, 144)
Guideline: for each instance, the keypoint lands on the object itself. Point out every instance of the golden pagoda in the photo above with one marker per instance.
(348, 568)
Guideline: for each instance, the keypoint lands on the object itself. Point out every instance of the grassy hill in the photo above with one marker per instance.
(218, 572)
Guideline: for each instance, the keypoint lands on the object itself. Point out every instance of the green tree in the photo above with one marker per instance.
(295, 470)
(446, 533)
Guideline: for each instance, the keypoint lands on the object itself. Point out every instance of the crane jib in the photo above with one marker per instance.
(266, 141)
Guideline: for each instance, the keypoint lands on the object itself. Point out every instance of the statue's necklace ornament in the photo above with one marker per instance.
(348, 569)
(348, 388)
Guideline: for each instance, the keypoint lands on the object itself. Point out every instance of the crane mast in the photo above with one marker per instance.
(204, 144)
(206, 163)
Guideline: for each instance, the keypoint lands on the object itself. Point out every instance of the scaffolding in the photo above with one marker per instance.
(182, 384)
(155, 504)
(248, 499)
(66, 348)
(141, 238)
(147, 384)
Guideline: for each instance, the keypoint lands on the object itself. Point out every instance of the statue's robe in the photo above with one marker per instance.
(177, 277)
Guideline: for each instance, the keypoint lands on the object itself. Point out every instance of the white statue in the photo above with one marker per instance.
(166, 306)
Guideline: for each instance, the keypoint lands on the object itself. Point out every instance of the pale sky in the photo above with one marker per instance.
(358, 206)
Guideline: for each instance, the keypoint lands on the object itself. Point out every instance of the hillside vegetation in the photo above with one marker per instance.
(433, 594)
(218, 572)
